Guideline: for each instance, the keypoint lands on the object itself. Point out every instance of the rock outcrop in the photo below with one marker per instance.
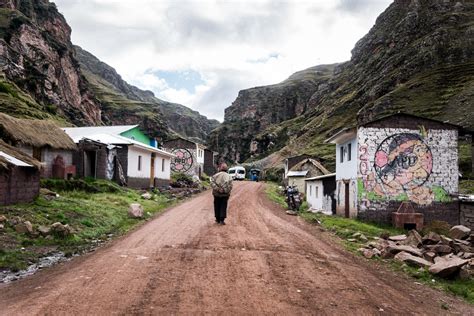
(37, 57)
(42, 75)
(116, 96)
(418, 58)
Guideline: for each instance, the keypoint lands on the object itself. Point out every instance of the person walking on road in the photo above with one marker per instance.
(221, 184)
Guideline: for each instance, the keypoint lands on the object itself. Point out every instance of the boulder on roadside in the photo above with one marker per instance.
(369, 253)
(459, 232)
(48, 194)
(431, 239)
(440, 249)
(394, 249)
(413, 239)
(3, 219)
(447, 267)
(411, 260)
(466, 272)
(44, 230)
(60, 230)
(2, 227)
(24, 227)
(146, 196)
(429, 255)
(135, 210)
(397, 238)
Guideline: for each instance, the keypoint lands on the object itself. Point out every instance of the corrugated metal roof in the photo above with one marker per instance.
(297, 173)
(321, 177)
(108, 139)
(81, 132)
(14, 161)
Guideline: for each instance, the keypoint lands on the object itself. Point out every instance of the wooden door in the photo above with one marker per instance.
(152, 171)
(346, 198)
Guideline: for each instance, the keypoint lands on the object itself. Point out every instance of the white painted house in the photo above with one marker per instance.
(393, 159)
(320, 193)
(106, 153)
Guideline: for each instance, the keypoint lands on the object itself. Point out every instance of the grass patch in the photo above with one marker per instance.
(92, 214)
(346, 227)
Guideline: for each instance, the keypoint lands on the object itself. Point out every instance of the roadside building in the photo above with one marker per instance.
(290, 162)
(320, 193)
(42, 140)
(306, 168)
(189, 156)
(19, 176)
(105, 153)
(394, 159)
(210, 162)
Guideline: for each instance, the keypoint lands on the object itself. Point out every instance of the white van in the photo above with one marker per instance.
(237, 173)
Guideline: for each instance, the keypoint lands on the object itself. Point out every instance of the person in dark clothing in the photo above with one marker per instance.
(221, 184)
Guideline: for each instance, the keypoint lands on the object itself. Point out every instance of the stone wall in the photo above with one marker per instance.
(467, 214)
(413, 164)
(19, 185)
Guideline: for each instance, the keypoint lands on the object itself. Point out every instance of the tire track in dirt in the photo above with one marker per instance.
(262, 262)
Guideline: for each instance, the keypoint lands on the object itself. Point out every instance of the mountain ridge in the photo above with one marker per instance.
(417, 58)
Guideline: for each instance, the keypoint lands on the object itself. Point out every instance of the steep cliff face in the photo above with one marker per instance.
(418, 58)
(261, 108)
(37, 58)
(42, 75)
(116, 96)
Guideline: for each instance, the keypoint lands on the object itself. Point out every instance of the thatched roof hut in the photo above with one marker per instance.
(8, 152)
(35, 133)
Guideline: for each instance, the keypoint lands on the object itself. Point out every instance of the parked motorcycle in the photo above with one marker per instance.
(293, 198)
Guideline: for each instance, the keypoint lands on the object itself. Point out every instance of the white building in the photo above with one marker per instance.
(320, 193)
(109, 155)
(397, 158)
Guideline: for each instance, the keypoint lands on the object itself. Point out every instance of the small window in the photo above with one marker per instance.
(317, 191)
(163, 165)
(310, 189)
(349, 152)
(341, 154)
(139, 163)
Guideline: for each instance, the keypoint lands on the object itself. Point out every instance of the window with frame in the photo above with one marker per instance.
(341, 153)
(163, 165)
(317, 191)
(310, 189)
(139, 163)
(349, 152)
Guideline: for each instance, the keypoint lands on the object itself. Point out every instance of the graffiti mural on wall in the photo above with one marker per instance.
(403, 161)
(402, 165)
(183, 161)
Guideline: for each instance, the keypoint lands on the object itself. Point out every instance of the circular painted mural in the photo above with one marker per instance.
(403, 160)
(183, 160)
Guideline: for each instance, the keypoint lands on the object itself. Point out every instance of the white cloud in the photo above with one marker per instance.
(233, 45)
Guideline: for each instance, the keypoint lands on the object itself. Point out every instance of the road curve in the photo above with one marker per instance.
(261, 262)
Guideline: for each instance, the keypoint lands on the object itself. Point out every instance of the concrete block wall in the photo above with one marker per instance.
(407, 164)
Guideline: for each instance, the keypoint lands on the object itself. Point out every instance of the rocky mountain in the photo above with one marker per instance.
(42, 75)
(417, 58)
(115, 95)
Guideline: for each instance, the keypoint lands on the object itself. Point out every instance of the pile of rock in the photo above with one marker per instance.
(26, 227)
(443, 256)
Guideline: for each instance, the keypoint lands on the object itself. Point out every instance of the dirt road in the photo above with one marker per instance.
(261, 262)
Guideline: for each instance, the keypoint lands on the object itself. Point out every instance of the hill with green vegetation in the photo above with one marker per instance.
(41, 77)
(117, 96)
(418, 58)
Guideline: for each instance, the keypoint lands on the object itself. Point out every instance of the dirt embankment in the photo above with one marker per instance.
(261, 262)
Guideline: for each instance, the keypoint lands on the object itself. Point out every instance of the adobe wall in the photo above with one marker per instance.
(19, 185)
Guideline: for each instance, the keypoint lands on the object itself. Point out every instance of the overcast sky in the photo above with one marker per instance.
(201, 53)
